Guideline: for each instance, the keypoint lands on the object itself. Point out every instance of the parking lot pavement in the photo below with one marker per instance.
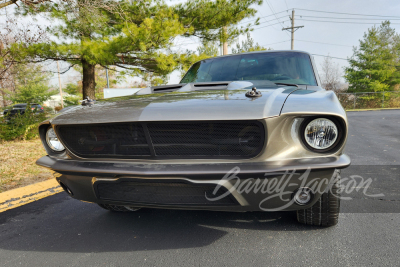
(59, 231)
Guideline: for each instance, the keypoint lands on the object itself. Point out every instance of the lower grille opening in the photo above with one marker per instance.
(163, 193)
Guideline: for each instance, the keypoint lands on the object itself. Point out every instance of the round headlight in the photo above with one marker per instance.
(52, 140)
(321, 133)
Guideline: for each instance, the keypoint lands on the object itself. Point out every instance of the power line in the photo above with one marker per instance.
(269, 25)
(177, 45)
(331, 57)
(271, 20)
(263, 17)
(273, 12)
(348, 60)
(352, 14)
(341, 18)
(275, 43)
(323, 43)
(266, 21)
(346, 22)
(286, 5)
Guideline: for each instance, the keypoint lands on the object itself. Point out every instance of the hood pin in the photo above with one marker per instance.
(253, 93)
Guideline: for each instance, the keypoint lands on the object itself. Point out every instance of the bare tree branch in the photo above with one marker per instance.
(331, 75)
(30, 3)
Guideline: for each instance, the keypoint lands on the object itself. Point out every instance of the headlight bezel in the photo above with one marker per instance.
(340, 134)
(42, 133)
(49, 143)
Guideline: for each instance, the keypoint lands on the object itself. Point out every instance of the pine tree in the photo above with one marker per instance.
(134, 35)
(32, 84)
(248, 45)
(374, 64)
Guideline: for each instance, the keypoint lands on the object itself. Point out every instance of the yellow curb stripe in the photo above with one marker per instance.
(20, 196)
(371, 109)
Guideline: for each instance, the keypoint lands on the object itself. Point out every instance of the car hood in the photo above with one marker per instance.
(180, 106)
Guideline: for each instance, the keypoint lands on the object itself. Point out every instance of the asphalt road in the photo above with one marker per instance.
(60, 231)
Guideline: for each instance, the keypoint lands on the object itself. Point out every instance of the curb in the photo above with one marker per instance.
(370, 109)
(20, 196)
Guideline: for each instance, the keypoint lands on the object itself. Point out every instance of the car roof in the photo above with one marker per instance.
(259, 52)
(25, 104)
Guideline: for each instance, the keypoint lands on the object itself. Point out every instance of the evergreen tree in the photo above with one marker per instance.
(31, 85)
(374, 65)
(134, 35)
(208, 49)
(248, 45)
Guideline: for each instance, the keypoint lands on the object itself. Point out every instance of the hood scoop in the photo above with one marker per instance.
(210, 85)
(167, 88)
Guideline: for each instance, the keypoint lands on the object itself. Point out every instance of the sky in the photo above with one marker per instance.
(317, 37)
(335, 38)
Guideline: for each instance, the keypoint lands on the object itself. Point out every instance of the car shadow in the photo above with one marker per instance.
(61, 224)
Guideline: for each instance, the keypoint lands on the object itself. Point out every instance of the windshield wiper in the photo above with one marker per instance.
(288, 84)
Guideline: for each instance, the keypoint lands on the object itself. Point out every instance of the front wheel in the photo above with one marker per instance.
(325, 212)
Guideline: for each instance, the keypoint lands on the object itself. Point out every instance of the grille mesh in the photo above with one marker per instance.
(235, 139)
(163, 193)
(105, 140)
(205, 139)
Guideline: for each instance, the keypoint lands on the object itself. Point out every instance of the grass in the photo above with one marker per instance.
(17, 164)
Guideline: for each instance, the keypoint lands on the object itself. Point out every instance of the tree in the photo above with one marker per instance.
(12, 36)
(134, 35)
(74, 89)
(101, 79)
(248, 45)
(373, 65)
(331, 74)
(29, 3)
(31, 85)
(208, 48)
(138, 84)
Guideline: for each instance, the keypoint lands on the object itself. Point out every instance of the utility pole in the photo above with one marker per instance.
(59, 83)
(293, 29)
(108, 82)
(225, 47)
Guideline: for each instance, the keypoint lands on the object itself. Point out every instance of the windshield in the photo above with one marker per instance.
(278, 67)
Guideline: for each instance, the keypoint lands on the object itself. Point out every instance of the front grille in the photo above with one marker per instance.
(235, 139)
(163, 193)
(105, 140)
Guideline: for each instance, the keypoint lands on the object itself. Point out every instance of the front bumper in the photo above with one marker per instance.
(257, 186)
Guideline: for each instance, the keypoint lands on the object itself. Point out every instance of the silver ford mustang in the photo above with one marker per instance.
(246, 132)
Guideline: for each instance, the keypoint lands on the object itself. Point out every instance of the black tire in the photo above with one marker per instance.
(117, 208)
(325, 212)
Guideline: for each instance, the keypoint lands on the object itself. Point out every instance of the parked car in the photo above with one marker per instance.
(247, 132)
(21, 108)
